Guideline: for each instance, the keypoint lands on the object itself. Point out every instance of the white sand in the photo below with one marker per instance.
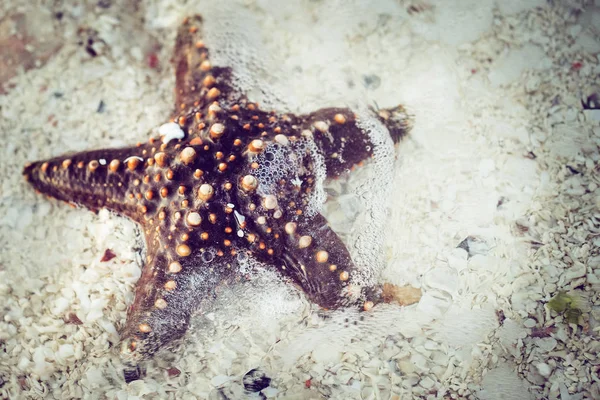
(501, 152)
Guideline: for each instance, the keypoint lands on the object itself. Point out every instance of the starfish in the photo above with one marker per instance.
(224, 182)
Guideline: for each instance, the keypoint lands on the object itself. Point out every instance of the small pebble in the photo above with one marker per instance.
(544, 369)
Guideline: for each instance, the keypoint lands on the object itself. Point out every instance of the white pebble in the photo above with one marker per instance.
(592, 115)
(23, 363)
(219, 380)
(170, 131)
(530, 323)
(66, 350)
(270, 392)
(326, 354)
(427, 382)
(60, 305)
(94, 377)
(544, 369)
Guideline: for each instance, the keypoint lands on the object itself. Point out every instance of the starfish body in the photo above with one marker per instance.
(226, 181)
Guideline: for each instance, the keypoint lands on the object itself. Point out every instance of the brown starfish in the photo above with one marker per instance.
(226, 182)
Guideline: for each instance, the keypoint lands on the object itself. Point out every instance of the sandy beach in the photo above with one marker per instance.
(491, 206)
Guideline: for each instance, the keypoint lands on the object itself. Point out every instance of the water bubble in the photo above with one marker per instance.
(208, 256)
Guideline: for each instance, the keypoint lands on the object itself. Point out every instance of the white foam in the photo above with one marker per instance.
(375, 193)
(235, 41)
(278, 161)
(274, 163)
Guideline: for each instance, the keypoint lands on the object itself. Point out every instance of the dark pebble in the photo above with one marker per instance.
(256, 380)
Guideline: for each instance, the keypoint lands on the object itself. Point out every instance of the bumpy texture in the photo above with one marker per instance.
(226, 181)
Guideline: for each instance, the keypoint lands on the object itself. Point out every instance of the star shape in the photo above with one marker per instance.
(224, 183)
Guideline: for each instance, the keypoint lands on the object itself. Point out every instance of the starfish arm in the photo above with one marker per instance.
(110, 178)
(175, 282)
(343, 140)
(197, 82)
(319, 262)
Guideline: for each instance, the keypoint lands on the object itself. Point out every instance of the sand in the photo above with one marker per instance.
(492, 206)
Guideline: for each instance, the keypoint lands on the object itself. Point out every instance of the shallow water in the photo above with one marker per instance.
(502, 152)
